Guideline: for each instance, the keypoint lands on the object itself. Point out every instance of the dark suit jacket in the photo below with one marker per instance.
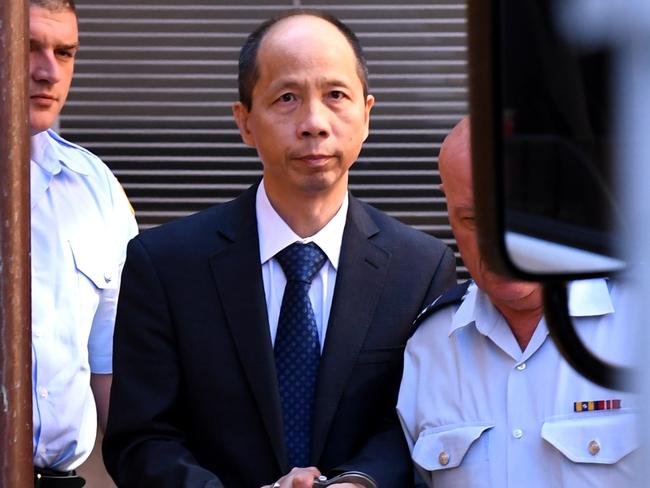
(195, 402)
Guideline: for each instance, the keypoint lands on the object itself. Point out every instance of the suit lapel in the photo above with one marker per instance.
(360, 278)
(237, 273)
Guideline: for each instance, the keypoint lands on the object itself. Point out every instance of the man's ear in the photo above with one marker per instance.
(441, 188)
(370, 101)
(241, 113)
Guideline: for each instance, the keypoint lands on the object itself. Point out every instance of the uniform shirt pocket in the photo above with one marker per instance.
(94, 257)
(454, 455)
(97, 272)
(599, 439)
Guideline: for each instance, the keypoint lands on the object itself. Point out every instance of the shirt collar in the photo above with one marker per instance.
(586, 298)
(589, 298)
(274, 233)
(43, 153)
(47, 153)
(476, 309)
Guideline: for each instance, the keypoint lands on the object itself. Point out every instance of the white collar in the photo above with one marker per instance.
(589, 297)
(46, 153)
(274, 233)
(43, 153)
(586, 298)
(477, 309)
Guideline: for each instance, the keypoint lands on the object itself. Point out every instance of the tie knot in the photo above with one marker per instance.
(301, 262)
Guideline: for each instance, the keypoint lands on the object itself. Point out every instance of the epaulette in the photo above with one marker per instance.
(451, 296)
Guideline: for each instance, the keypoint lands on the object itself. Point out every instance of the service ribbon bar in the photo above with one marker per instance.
(596, 405)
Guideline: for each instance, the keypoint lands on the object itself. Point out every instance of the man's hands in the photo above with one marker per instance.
(297, 478)
(304, 478)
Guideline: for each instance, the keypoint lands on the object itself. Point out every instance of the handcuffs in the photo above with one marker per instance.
(348, 477)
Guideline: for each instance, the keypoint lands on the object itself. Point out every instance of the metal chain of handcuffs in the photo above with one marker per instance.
(348, 477)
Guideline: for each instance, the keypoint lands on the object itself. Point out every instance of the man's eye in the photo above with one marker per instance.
(287, 97)
(337, 94)
(470, 222)
(65, 53)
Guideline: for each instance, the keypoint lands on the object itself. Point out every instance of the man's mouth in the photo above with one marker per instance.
(43, 97)
(315, 159)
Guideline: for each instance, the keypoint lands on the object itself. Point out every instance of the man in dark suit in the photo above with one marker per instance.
(201, 392)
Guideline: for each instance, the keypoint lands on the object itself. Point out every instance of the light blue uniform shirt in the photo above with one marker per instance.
(81, 223)
(479, 412)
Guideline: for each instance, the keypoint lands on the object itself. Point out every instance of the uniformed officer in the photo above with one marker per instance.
(486, 400)
(81, 222)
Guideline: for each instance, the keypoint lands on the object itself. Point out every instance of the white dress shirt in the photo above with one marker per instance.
(274, 235)
(81, 222)
(478, 411)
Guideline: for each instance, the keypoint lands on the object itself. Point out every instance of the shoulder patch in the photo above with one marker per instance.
(451, 296)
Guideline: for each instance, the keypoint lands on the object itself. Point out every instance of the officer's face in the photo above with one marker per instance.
(53, 41)
(456, 174)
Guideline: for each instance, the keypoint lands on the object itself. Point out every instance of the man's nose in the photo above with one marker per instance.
(314, 120)
(44, 67)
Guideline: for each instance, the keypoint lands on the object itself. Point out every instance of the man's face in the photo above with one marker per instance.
(309, 116)
(53, 41)
(503, 291)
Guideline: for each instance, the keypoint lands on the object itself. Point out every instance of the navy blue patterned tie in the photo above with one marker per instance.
(297, 348)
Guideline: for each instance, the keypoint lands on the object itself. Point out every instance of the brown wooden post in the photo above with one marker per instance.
(16, 469)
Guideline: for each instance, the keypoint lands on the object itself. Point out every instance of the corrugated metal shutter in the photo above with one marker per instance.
(155, 81)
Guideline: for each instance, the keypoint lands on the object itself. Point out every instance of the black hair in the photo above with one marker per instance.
(248, 69)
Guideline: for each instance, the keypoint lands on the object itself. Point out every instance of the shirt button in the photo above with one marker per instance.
(517, 433)
(521, 367)
(37, 333)
(594, 448)
(108, 277)
(44, 393)
(443, 458)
